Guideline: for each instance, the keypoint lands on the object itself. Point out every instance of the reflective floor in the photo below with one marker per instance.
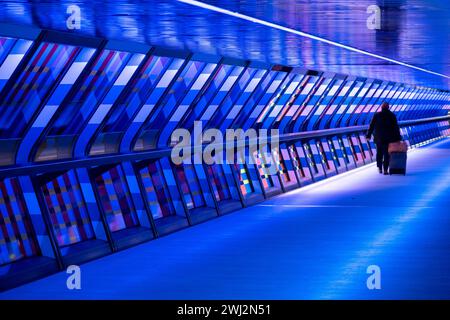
(314, 243)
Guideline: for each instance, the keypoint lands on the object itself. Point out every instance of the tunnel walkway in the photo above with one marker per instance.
(312, 243)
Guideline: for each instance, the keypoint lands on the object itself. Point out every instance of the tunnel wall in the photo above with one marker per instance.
(85, 140)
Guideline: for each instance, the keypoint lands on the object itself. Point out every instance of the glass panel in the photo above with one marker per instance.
(156, 190)
(116, 200)
(256, 102)
(245, 182)
(219, 182)
(327, 120)
(190, 186)
(284, 173)
(271, 109)
(264, 172)
(215, 91)
(296, 161)
(303, 120)
(284, 101)
(251, 91)
(320, 110)
(185, 105)
(12, 52)
(155, 124)
(68, 212)
(94, 86)
(31, 88)
(361, 92)
(219, 116)
(16, 234)
(141, 88)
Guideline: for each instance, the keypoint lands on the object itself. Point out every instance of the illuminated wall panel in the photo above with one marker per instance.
(84, 101)
(245, 182)
(338, 153)
(261, 108)
(35, 81)
(363, 103)
(366, 147)
(342, 110)
(17, 240)
(422, 100)
(106, 103)
(355, 104)
(191, 95)
(126, 106)
(281, 104)
(157, 193)
(322, 108)
(397, 97)
(403, 99)
(162, 196)
(248, 178)
(148, 107)
(243, 112)
(115, 199)
(189, 185)
(12, 51)
(252, 90)
(406, 101)
(67, 210)
(426, 104)
(194, 113)
(300, 164)
(218, 182)
(222, 95)
(52, 105)
(385, 95)
(194, 188)
(264, 173)
(328, 158)
(357, 149)
(302, 120)
(155, 123)
(272, 108)
(217, 118)
(315, 160)
(335, 104)
(298, 104)
(361, 119)
(286, 170)
(348, 151)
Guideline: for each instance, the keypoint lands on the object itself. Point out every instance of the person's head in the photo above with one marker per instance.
(385, 106)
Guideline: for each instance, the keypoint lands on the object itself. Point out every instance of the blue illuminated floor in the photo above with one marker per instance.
(310, 244)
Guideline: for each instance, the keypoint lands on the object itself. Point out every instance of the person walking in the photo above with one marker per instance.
(385, 129)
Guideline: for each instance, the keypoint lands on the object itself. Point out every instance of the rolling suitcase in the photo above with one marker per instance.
(399, 146)
(397, 163)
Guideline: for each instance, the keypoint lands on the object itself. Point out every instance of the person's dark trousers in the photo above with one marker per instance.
(383, 156)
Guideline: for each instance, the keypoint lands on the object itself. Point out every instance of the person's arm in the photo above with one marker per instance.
(371, 127)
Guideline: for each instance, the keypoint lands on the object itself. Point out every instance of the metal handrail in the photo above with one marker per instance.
(35, 168)
(353, 129)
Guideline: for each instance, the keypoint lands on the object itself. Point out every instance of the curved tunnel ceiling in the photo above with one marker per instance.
(412, 32)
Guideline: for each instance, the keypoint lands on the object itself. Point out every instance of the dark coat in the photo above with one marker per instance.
(384, 127)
